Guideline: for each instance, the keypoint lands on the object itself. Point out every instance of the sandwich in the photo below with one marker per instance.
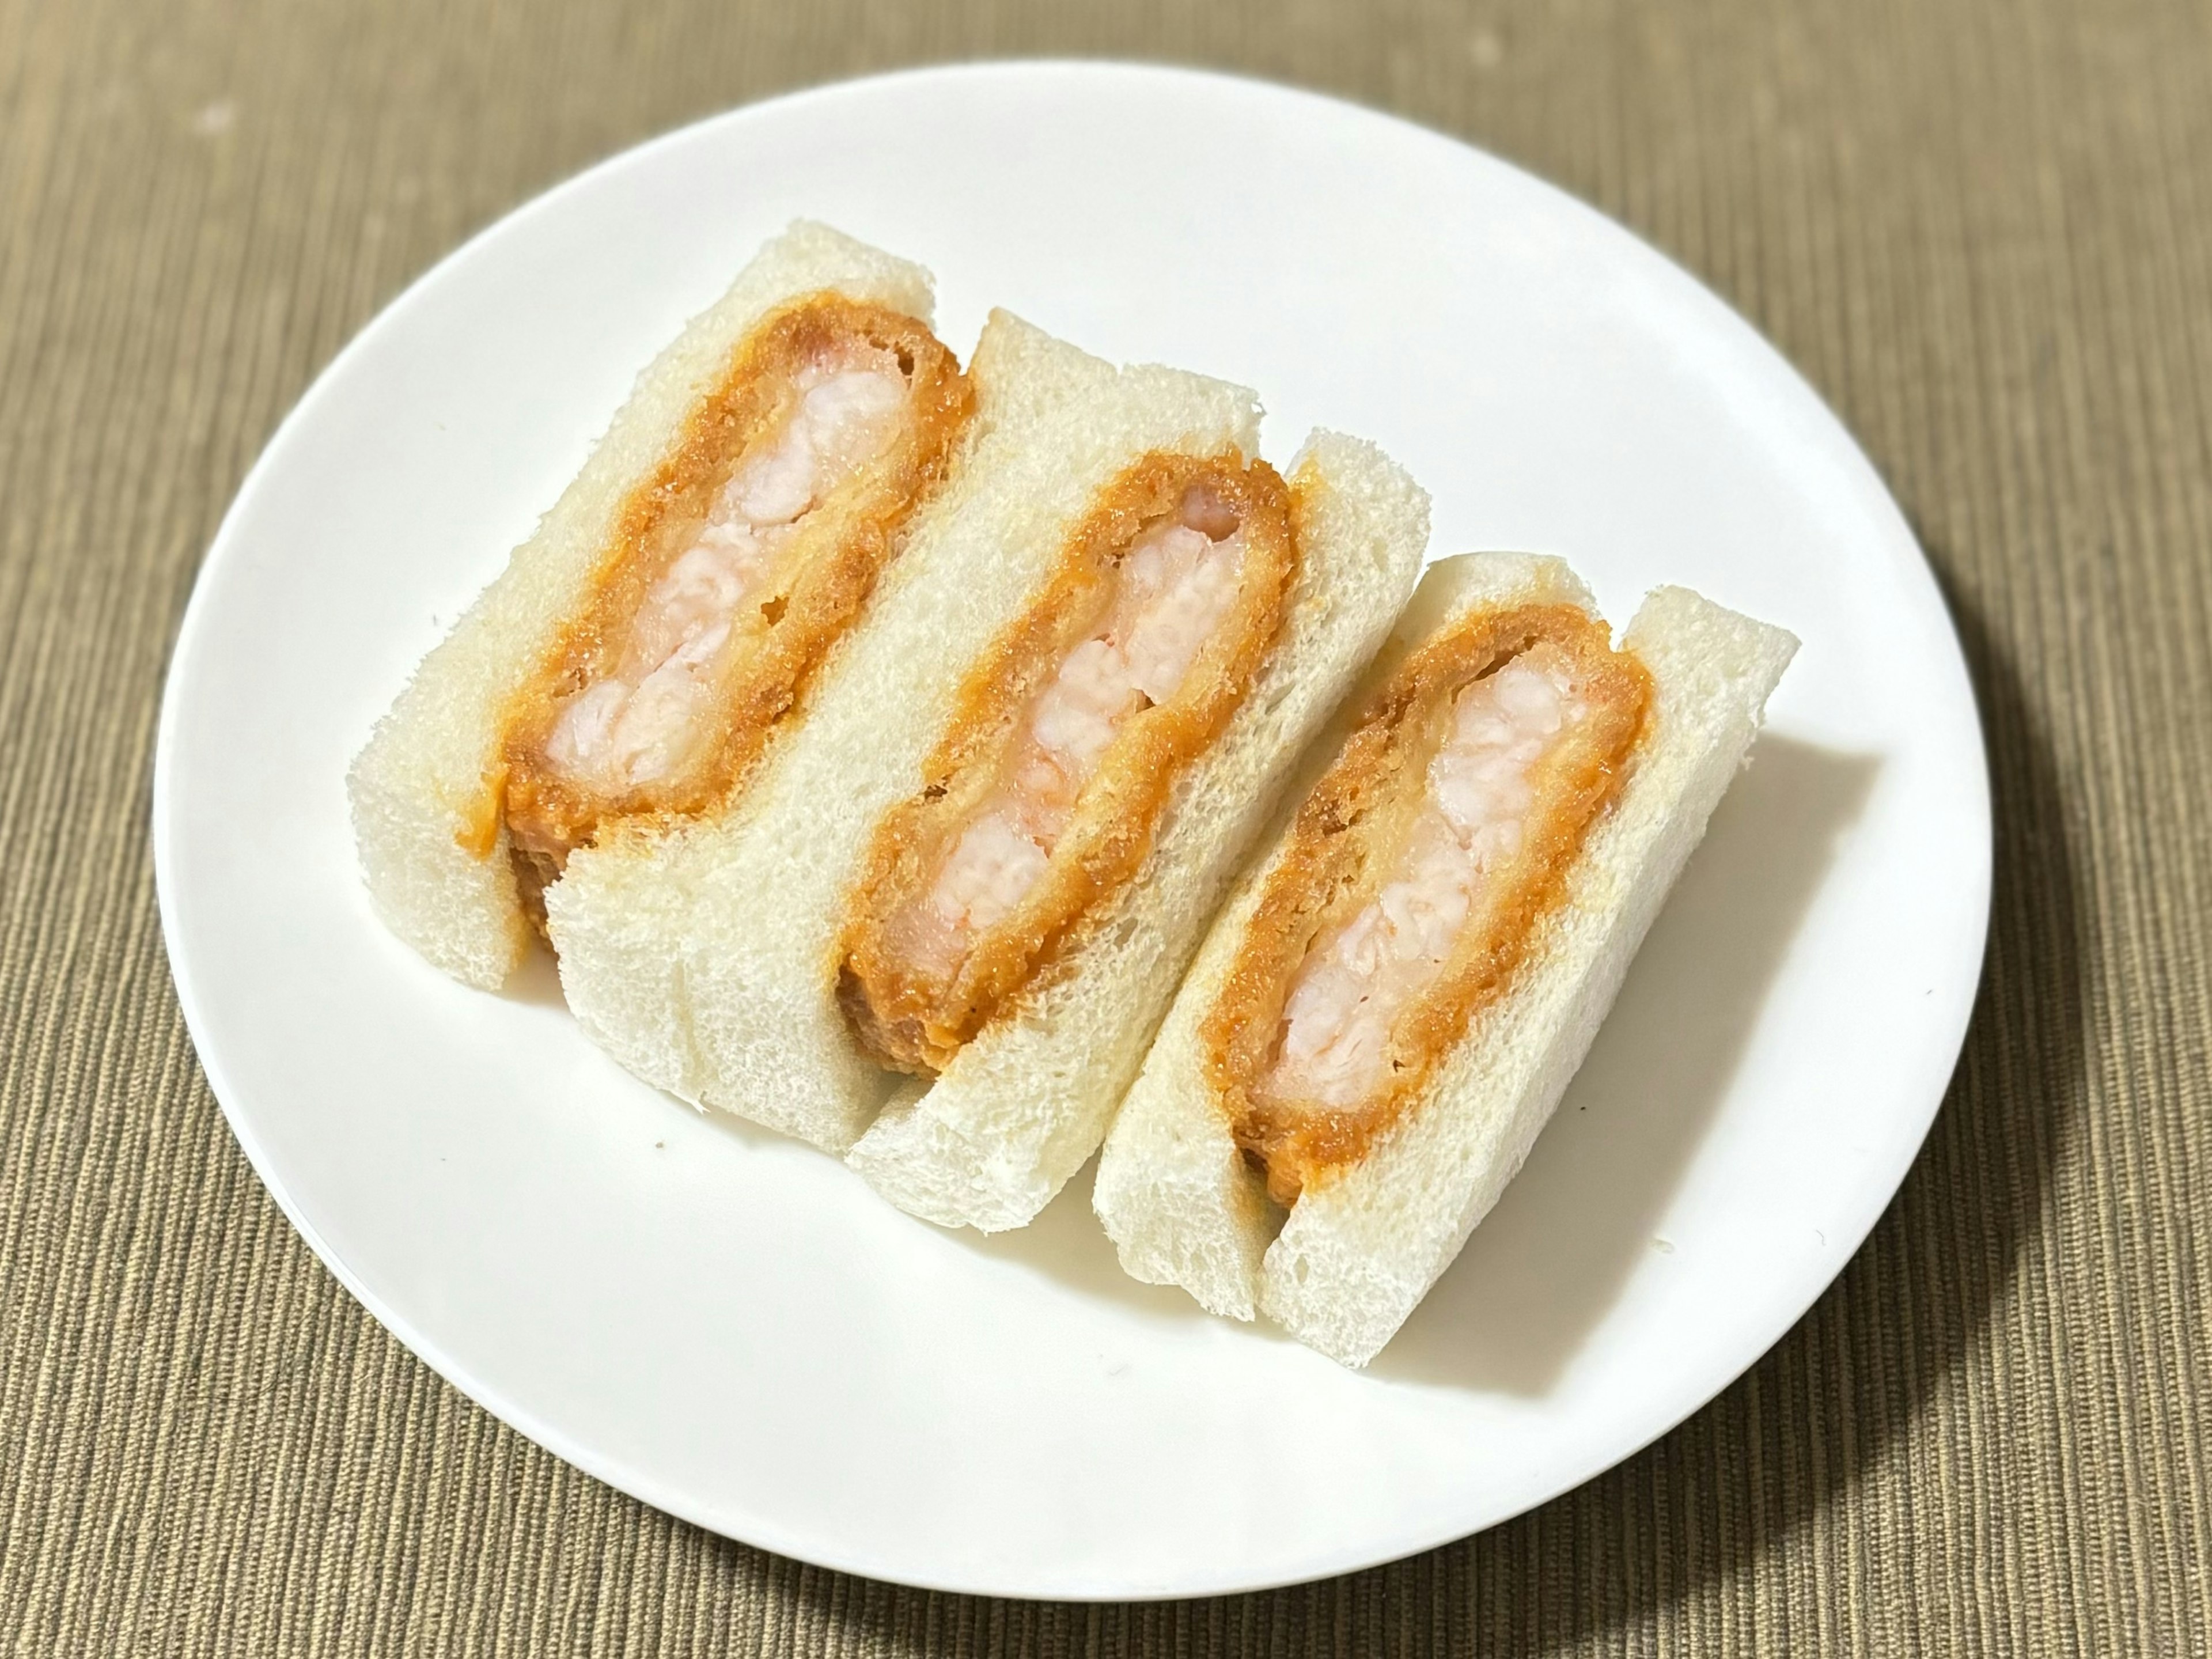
(1388, 1009)
(936, 936)
(659, 633)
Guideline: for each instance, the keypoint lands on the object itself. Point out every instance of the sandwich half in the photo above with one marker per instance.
(965, 888)
(656, 636)
(1387, 1010)
(1018, 926)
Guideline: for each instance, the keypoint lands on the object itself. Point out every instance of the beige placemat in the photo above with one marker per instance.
(1984, 229)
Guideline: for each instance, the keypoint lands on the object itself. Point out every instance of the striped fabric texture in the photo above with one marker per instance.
(1984, 230)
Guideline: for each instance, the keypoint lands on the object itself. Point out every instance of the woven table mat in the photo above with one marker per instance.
(1984, 229)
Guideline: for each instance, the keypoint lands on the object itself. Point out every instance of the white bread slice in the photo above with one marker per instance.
(420, 782)
(706, 960)
(1359, 1252)
(1026, 1103)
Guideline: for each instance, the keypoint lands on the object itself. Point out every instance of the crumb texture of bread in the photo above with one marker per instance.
(705, 959)
(1025, 1104)
(1356, 1254)
(424, 787)
(1173, 1191)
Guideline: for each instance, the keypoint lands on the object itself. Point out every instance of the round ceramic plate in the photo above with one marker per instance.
(731, 1326)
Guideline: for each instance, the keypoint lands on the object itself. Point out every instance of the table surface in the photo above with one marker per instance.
(1984, 229)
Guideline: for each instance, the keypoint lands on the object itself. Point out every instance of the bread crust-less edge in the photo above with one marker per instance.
(417, 788)
(705, 959)
(1356, 1254)
(817, 587)
(905, 1017)
(1023, 1105)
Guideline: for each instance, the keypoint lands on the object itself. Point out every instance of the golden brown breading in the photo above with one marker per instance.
(1342, 847)
(913, 1019)
(818, 585)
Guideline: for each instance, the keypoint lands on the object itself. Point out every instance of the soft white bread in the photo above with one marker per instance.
(1026, 1103)
(1357, 1252)
(419, 789)
(705, 960)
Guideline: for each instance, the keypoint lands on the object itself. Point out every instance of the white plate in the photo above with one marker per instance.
(728, 1325)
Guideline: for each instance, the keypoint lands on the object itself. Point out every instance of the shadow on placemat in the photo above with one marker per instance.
(1910, 1306)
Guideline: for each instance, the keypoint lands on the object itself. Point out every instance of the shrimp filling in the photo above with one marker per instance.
(732, 570)
(1361, 975)
(1174, 588)
(1413, 900)
(1119, 677)
(646, 715)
